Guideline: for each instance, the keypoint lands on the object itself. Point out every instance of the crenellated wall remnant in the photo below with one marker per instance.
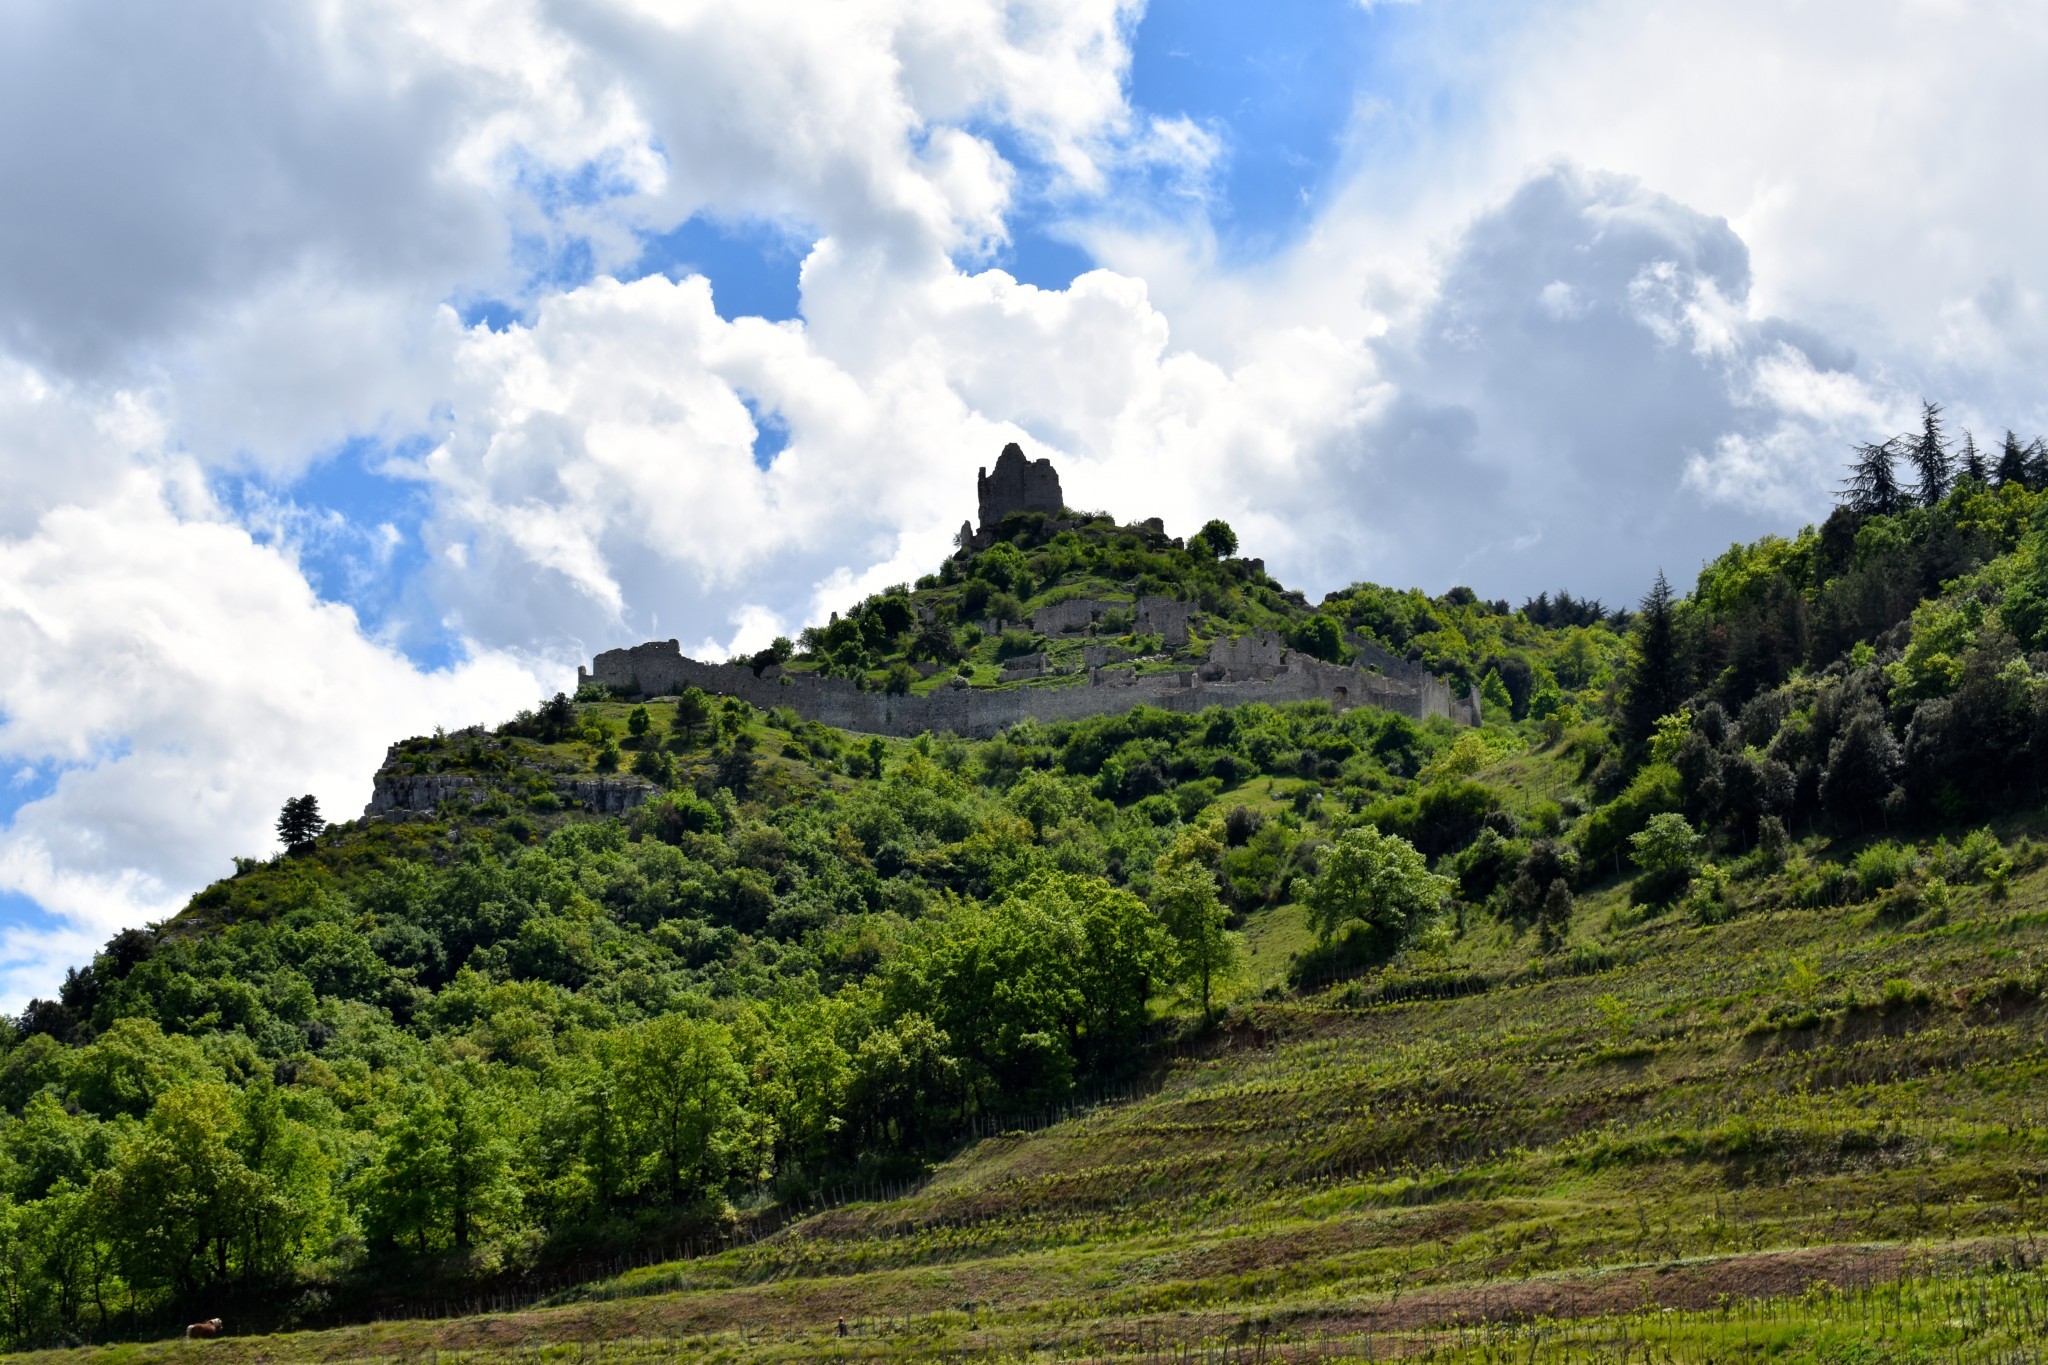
(1256, 667)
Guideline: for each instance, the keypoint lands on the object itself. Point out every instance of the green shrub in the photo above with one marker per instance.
(1654, 791)
(1881, 867)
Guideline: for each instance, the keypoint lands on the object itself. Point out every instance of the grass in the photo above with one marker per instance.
(1803, 1134)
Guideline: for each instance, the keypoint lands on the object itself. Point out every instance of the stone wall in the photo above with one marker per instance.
(1163, 616)
(1252, 668)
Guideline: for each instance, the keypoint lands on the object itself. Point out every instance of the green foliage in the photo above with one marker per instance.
(1666, 844)
(1320, 636)
(1374, 879)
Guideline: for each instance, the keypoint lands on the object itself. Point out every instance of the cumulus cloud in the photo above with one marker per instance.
(177, 681)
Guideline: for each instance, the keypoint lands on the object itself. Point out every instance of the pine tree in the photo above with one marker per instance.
(2012, 461)
(2037, 464)
(1970, 464)
(1656, 681)
(1930, 457)
(1873, 484)
(299, 823)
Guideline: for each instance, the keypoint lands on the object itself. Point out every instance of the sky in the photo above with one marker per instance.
(367, 364)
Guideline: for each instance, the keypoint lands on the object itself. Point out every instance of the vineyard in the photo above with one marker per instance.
(1791, 1135)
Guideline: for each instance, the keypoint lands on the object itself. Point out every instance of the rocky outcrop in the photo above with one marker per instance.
(396, 791)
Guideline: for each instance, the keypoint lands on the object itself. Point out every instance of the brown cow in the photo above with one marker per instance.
(200, 1331)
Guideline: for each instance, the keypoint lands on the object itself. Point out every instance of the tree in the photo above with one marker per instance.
(557, 717)
(1320, 637)
(2012, 461)
(1375, 879)
(1862, 765)
(682, 1090)
(1656, 682)
(1494, 699)
(1554, 918)
(1970, 464)
(735, 770)
(1872, 487)
(905, 1084)
(1667, 844)
(1930, 457)
(1219, 539)
(444, 1167)
(1186, 899)
(299, 823)
(639, 722)
(179, 1192)
(900, 679)
(693, 709)
(934, 641)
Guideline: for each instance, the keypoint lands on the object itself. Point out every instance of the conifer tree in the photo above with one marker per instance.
(1873, 484)
(299, 823)
(1930, 457)
(1970, 463)
(1656, 678)
(2012, 461)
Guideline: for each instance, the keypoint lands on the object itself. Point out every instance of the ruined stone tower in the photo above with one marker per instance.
(1017, 485)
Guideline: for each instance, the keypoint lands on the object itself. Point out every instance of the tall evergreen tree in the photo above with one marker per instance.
(1970, 463)
(2012, 461)
(1656, 681)
(1930, 457)
(1873, 484)
(299, 823)
(2037, 464)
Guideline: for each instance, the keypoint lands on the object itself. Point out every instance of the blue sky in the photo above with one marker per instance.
(331, 411)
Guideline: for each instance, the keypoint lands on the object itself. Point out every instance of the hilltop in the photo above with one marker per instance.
(1050, 614)
(1704, 974)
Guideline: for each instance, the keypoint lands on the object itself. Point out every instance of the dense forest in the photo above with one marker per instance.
(442, 1047)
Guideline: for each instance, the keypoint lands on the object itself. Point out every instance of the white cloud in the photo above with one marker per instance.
(183, 680)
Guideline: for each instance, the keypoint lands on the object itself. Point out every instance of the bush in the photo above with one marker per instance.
(1437, 820)
(1976, 857)
(902, 677)
(1015, 644)
(1654, 791)
(1882, 866)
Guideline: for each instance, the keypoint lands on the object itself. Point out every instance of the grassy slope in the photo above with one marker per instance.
(1668, 1114)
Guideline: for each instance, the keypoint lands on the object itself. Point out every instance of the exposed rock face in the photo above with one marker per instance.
(396, 791)
(1017, 485)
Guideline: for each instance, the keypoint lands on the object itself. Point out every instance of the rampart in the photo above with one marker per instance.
(1257, 667)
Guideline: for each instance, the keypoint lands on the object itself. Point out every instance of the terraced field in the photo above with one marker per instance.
(1801, 1134)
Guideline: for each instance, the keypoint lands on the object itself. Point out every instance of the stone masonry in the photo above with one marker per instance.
(1017, 484)
(1257, 667)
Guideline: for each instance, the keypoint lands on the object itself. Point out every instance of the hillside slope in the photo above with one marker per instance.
(1707, 971)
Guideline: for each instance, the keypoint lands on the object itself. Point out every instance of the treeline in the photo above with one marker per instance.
(1884, 669)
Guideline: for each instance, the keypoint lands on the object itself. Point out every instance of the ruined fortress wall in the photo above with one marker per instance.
(1276, 674)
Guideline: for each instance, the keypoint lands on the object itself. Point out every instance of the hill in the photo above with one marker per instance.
(1691, 1004)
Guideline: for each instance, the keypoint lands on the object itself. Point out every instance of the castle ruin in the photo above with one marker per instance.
(1256, 667)
(1018, 484)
